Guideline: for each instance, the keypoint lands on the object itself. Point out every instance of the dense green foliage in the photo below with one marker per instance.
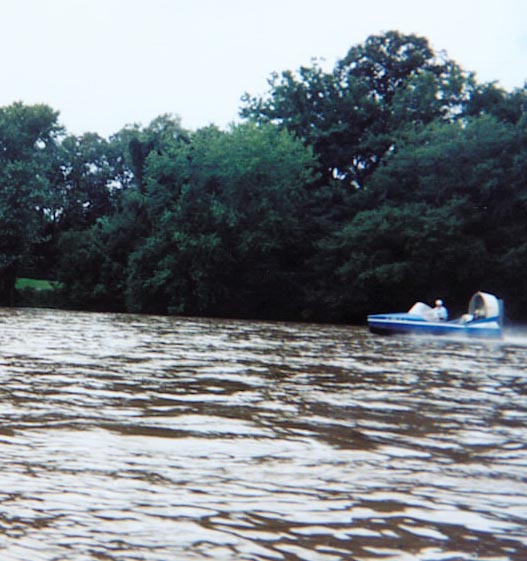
(393, 177)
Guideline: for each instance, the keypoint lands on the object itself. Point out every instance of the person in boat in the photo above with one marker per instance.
(440, 312)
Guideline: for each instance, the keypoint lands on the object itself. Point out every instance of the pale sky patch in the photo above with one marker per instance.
(107, 63)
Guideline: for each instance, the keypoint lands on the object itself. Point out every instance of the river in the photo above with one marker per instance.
(128, 437)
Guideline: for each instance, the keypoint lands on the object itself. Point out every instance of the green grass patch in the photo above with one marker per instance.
(36, 284)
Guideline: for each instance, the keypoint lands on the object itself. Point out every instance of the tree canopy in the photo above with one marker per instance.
(392, 177)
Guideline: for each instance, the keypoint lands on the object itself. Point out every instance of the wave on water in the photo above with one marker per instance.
(515, 335)
(160, 438)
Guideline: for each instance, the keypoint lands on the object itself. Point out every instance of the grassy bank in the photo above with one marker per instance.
(36, 284)
(37, 293)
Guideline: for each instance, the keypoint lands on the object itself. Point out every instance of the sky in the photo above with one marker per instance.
(105, 64)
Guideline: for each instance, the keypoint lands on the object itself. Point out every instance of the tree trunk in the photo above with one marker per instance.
(7, 285)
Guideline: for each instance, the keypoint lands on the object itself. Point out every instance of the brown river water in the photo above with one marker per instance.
(127, 437)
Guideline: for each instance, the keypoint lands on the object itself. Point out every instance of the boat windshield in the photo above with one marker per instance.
(422, 310)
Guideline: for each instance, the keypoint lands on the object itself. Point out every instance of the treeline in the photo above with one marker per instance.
(395, 176)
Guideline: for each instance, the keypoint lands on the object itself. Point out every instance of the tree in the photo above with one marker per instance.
(92, 265)
(93, 173)
(489, 99)
(388, 63)
(227, 228)
(384, 257)
(445, 212)
(28, 146)
(350, 116)
(93, 262)
(101, 210)
(137, 143)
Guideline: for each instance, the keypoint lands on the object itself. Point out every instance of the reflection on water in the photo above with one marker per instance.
(127, 437)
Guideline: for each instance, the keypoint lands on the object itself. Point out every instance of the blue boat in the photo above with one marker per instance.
(484, 319)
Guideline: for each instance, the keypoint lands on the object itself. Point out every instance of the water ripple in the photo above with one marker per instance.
(128, 437)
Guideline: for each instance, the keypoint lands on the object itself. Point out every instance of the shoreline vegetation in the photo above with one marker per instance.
(394, 177)
(38, 285)
(38, 293)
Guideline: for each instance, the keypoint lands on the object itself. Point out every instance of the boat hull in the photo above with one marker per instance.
(388, 324)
